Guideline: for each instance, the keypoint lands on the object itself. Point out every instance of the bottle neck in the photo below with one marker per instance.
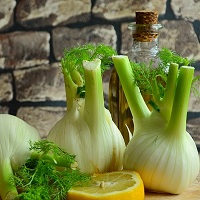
(145, 41)
(145, 48)
(145, 52)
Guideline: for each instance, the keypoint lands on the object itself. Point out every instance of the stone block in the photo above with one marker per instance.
(6, 89)
(24, 49)
(115, 10)
(42, 118)
(34, 13)
(43, 83)
(63, 37)
(179, 35)
(6, 14)
(186, 9)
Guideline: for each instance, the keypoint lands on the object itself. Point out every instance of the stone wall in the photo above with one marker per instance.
(33, 34)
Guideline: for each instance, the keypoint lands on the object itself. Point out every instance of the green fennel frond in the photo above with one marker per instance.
(74, 57)
(168, 56)
(148, 77)
(195, 86)
(46, 150)
(40, 178)
(152, 81)
(72, 62)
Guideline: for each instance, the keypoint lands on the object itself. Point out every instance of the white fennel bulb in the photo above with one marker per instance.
(161, 150)
(87, 129)
(15, 137)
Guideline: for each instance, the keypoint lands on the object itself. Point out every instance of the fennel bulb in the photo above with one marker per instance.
(15, 135)
(161, 150)
(87, 129)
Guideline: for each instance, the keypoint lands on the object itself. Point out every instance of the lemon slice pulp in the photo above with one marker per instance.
(119, 185)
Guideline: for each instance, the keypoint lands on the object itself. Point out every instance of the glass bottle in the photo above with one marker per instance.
(145, 48)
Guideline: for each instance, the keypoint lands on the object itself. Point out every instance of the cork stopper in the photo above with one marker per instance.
(144, 21)
(146, 17)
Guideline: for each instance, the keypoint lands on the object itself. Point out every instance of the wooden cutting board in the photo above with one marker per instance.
(193, 193)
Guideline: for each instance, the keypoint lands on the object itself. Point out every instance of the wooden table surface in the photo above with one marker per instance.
(192, 193)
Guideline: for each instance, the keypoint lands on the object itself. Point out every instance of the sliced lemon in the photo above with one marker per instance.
(120, 185)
